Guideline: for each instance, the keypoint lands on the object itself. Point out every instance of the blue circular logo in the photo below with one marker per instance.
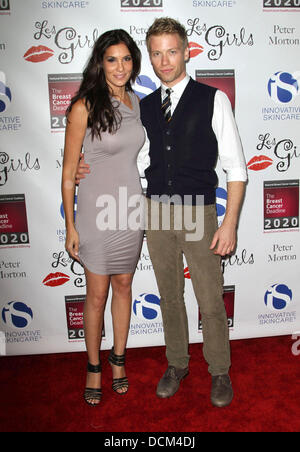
(5, 97)
(278, 297)
(147, 305)
(144, 86)
(283, 87)
(221, 203)
(17, 314)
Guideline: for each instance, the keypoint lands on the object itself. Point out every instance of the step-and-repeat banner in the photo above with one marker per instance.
(249, 49)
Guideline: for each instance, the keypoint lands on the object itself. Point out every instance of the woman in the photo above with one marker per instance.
(104, 118)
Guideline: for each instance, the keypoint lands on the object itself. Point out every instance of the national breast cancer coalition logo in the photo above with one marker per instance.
(228, 297)
(62, 87)
(281, 5)
(281, 205)
(13, 221)
(148, 5)
(222, 79)
(4, 7)
(74, 312)
(284, 87)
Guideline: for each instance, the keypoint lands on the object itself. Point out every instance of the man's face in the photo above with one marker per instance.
(168, 58)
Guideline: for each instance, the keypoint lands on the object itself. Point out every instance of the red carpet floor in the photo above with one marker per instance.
(43, 393)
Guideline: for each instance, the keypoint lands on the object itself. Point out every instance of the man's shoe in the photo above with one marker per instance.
(221, 392)
(170, 382)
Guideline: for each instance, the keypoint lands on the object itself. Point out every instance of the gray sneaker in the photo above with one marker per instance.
(221, 391)
(170, 382)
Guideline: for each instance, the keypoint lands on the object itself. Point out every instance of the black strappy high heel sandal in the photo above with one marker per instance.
(93, 393)
(118, 383)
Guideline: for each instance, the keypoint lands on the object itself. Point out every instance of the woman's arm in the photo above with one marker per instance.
(75, 132)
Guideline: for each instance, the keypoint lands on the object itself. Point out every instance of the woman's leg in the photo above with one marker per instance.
(121, 313)
(97, 291)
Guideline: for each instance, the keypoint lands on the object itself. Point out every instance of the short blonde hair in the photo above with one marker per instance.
(169, 26)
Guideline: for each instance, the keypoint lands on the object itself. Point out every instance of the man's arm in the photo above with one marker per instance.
(224, 241)
(82, 169)
(233, 163)
(143, 158)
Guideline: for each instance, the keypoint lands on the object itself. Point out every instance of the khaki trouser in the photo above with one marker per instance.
(166, 248)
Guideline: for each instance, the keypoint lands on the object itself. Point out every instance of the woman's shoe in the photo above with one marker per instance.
(118, 383)
(92, 394)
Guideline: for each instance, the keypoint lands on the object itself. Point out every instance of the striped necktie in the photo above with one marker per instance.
(166, 105)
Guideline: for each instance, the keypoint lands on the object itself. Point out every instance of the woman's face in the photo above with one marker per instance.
(117, 66)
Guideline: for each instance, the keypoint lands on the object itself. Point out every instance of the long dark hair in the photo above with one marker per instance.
(103, 115)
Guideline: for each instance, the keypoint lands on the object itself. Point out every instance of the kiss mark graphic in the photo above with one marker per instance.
(187, 273)
(195, 49)
(56, 279)
(38, 54)
(259, 162)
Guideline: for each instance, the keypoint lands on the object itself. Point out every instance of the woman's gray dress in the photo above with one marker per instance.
(105, 223)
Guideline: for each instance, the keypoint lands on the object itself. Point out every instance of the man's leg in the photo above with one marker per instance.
(207, 279)
(167, 260)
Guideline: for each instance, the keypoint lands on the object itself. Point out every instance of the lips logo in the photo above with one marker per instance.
(38, 54)
(56, 279)
(259, 162)
(187, 273)
(195, 49)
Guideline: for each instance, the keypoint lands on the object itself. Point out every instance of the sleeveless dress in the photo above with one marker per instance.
(107, 218)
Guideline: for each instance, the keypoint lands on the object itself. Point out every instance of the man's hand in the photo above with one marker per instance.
(82, 169)
(224, 240)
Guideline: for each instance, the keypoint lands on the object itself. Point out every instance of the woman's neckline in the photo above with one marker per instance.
(123, 103)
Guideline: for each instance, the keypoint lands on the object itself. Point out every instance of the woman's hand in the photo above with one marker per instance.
(72, 243)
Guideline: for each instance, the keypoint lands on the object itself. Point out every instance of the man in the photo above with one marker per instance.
(187, 124)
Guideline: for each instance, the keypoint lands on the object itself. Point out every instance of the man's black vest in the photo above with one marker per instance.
(183, 152)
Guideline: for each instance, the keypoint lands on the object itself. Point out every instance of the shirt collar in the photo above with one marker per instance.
(178, 88)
